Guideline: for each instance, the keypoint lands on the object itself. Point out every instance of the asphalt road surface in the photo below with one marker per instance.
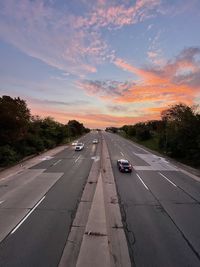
(160, 206)
(37, 207)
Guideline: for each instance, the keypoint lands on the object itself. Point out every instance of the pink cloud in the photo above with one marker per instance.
(70, 43)
(49, 35)
(92, 120)
(117, 16)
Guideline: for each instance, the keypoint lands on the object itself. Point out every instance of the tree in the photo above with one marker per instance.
(182, 131)
(75, 128)
(142, 131)
(111, 129)
(179, 113)
(14, 119)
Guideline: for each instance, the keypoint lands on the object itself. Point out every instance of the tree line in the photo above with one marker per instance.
(177, 134)
(22, 134)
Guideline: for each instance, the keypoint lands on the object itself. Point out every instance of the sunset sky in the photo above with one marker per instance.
(101, 62)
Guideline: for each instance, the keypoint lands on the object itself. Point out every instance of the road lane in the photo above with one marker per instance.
(40, 239)
(163, 190)
(161, 223)
(17, 203)
(190, 186)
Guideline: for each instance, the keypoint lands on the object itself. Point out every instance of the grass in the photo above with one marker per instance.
(152, 143)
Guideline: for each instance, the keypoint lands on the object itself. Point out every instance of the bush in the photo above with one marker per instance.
(7, 155)
(35, 142)
(48, 143)
(143, 134)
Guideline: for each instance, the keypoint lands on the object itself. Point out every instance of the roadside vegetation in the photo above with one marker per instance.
(176, 135)
(22, 134)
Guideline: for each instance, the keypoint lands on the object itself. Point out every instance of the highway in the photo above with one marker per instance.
(37, 207)
(160, 207)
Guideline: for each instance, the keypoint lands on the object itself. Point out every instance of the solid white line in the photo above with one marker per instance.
(15, 229)
(57, 162)
(142, 181)
(77, 158)
(122, 154)
(167, 179)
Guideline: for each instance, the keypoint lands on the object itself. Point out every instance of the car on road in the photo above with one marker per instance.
(124, 165)
(95, 141)
(75, 143)
(79, 147)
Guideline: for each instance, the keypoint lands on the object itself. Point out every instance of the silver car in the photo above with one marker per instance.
(79, 147)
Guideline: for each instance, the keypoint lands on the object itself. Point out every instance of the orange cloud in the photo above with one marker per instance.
(159, 84)
(145, 75)
(95, 120)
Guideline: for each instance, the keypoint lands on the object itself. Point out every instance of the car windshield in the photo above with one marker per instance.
(79, 144)
(125, 163)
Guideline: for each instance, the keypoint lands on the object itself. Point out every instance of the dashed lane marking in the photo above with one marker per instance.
(19, 224)
(167, 179)
(142, 181)
(57, 162)
(77, 158)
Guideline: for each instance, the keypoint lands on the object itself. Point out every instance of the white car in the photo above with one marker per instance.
(75, 143)
(95, 141)
(79, 147)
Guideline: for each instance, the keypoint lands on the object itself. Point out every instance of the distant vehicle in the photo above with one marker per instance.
(75, 143)
(95, 141)
(124, 165)
(79, 147)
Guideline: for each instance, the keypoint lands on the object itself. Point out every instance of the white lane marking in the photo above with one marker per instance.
(142, 181)
(167, 179)
(1, 202)
(77, 158)
(95, 158)
(19, 224)
(122, 154)
(46, 158)
(57, 162)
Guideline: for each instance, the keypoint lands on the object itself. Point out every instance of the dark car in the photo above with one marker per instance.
(124, 165)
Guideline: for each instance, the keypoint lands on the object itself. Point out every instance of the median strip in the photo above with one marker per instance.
(94, 248)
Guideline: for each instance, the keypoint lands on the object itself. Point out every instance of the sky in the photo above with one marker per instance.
(102, 62)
